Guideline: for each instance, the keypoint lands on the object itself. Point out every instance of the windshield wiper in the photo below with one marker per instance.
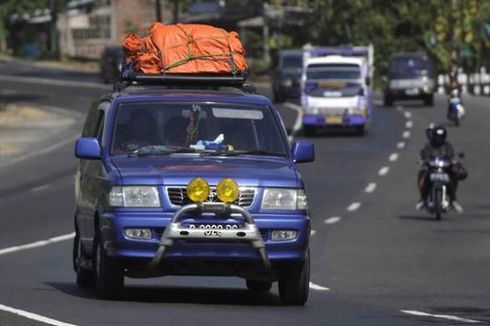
(160, 150)
(246, 152)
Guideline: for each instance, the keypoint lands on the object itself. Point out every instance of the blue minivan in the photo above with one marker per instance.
(190, 176)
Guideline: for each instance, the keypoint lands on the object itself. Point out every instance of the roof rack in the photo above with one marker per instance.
(185, 79)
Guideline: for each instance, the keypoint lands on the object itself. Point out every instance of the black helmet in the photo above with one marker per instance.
(438, 136)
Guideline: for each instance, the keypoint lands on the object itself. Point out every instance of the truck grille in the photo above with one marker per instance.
(178, 196)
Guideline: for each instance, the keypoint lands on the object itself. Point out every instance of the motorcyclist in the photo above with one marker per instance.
(453, 90)
(437, 146)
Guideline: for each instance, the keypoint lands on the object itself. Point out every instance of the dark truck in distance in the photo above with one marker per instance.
(409, 77)
(286, 78)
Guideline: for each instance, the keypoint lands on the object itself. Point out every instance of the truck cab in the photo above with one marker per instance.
(336, 88)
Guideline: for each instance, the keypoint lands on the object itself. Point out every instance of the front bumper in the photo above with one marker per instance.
(222, 248)
(409, 93)
(338, 121)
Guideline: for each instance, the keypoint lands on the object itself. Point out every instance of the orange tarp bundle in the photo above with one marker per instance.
(185, 48)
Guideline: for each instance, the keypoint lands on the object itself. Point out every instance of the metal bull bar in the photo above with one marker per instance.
(175, 231)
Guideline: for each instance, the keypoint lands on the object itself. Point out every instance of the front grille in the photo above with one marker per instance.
(178, 196)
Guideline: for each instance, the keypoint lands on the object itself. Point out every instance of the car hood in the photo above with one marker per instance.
(180, 169)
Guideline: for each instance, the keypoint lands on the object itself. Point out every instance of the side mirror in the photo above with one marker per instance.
(87, 148)
(303, 151)
(368, 81)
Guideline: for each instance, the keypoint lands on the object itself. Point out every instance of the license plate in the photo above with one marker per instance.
(334, 120)
(439, 177)
(414, 91)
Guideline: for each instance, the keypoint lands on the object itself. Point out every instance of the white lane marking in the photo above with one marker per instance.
(399, 108)
(409, 124)
(354, 206)
(393, 157)
(448, 317)
(408, 115)
(317, 287)
(384, 170)
(298, 122)
(400, 145)
(37, 244)
(312, 232)
(378, 102)
(370, 187)
(41, 188)
(33, 316)
(406, 134)
(39, 152)
(332, 220)
(55, 82)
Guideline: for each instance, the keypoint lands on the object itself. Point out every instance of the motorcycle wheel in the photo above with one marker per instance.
(438, 203)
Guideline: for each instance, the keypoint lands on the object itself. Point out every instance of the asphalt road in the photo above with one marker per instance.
(373, 256)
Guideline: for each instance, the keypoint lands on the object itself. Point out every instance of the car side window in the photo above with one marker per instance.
(89, 128)
(100, 125)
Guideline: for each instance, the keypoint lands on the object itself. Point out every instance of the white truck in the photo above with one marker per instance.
(336, 87)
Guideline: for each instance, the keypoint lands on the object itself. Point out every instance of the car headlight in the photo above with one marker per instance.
(134, 196)
(284, 199)
(287, 82)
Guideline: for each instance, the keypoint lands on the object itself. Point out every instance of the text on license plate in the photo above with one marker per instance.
(334, 119)
(439, 177)
(413, 91)
(209, 226)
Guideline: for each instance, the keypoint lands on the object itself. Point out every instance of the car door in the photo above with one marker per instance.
(91, 173)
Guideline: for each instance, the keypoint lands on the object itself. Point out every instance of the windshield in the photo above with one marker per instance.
(163, 128)
(410, 67)
(292, 61)
(333, 71)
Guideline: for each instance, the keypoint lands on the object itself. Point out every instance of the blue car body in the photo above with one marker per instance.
(96, 221)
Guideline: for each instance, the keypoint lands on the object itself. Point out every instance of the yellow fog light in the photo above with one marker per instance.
(198, 190)
(227, 190)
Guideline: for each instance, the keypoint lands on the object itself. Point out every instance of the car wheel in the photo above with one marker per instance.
(109, 275)
(388, 101)
(258, 286)
(294, 285)
(361, 130)
(429, 100)
(84, 277)
(309, 131)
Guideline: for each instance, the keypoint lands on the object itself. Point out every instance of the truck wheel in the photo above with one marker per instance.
(309, 131)
(361, 130)
(109, 275)
(388, 101)
(429, 100)
(295, 284)
(258, 286)
(84, 277)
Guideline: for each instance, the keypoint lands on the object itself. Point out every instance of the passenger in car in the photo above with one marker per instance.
(141, 130)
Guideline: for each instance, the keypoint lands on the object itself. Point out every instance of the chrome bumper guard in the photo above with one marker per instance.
(175, 231)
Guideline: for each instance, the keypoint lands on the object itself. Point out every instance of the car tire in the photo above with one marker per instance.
(360, 130)
(294, 285)
(309, 131)
(109, 274)
(429, 100)
(388, 101)
(84, 277)
(258, 286)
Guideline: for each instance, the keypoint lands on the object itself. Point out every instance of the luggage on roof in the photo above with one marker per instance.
(185, 48)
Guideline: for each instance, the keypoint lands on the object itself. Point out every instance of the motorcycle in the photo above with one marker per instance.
(438, 201)
(456, 109)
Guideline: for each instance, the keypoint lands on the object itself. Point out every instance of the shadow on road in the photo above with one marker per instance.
(168, 294)
(425, 218)
(13, 98)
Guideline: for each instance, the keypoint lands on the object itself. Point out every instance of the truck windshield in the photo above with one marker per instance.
(189, 127)
(292, 61)
(409, 67)
(333, 72)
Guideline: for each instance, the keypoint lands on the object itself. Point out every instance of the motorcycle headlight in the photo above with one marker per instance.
(284, 199)
(134, 196)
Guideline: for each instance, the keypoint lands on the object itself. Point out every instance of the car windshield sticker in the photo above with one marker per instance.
(238, 114)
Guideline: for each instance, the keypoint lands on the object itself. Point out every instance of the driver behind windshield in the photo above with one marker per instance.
(140, 131)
